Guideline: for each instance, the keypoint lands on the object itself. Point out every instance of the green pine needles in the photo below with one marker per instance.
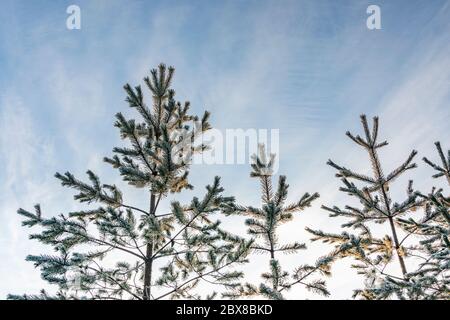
(373, 255)
(263, 224)
(164, 255)
(431, 279)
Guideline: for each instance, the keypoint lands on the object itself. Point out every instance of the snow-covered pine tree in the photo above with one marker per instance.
(263, 224)
(431, 279)
(372, 254)
(165, 255)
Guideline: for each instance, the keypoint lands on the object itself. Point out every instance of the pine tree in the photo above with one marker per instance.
(165, 255)
(263, 224)
(372, 254)
(431, 279)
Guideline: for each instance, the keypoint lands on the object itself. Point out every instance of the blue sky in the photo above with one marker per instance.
(308, 68)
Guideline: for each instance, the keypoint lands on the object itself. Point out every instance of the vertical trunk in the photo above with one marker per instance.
(272, 252)
(149, 260)
(272, 257)
(266, 182)
(397, 246)
(394, 232)
(379, 176)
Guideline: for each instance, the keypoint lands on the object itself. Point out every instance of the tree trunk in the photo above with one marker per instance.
(149, 261)
(379, 176)
(397, 246)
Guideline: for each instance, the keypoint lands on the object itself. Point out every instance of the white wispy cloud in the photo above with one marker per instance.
(308, 68)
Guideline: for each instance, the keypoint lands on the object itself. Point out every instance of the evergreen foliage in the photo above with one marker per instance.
(430, 280)
(373, 254)
(263, 224)
(165, 255)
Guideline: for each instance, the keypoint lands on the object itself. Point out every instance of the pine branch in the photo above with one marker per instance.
(445, 169)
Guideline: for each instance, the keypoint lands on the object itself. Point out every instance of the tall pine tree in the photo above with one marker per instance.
(373, 254)
(157, 255)
(263, 224)
(431, 279)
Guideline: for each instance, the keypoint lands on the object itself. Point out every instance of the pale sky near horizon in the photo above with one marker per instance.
(307, 68)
